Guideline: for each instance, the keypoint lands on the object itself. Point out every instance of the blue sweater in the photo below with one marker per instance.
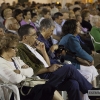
(72, 43)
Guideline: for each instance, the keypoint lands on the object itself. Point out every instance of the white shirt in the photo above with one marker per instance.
(7, 74)
(33, 50)
(57, 31)
(41, 20)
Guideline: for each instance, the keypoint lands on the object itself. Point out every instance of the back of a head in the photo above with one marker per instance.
(24, 30)
(69, 27)
(76, 2)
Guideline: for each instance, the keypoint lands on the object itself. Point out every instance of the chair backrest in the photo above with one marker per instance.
(93, 40)
(7, 90)
(95, 43)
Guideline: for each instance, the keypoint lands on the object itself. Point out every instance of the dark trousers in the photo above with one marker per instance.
(39, 92)
(67, 78)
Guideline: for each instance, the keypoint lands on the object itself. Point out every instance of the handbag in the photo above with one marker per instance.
(31, 82)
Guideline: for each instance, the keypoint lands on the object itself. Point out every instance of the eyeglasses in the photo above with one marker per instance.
(35, 34)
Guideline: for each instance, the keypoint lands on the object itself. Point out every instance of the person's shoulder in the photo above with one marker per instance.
(20, 45)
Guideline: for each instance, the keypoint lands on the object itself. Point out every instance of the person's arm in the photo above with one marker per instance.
(41, 47)
(51, 68)
(75, 46)
(56, 37)
(24, 69)
(9, 75)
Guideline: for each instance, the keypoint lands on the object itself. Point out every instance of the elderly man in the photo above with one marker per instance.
(12, 25)
(62, 77)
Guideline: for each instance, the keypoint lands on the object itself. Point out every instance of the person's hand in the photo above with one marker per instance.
(83, 62)
(17, 71)
(25, 66)
(93, 53)
(40, 46)
(54, 47)
(54, 67)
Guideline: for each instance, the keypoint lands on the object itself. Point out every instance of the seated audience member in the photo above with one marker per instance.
(86, 27)
(65, 78)
(65, 17)
(45, 14)
(18, 15)
(77, 11)
(58, 19)
(14, 70)
(34, 20)
(76, 5)
(70, 41)
(7, 13)
(72, 15)
(54, 9)
(81, 35)
(27, 18)
(86, 18)
(47, 24)
(12, 25)
(95, 33)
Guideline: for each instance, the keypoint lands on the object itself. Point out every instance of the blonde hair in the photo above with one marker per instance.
(6, 11)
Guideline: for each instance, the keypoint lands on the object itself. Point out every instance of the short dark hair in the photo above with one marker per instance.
(17, 12)
(69, 27)
(25, 12)
(24, 30)
(44, 11)
(56, 15)
(76, 9)
(33, 14)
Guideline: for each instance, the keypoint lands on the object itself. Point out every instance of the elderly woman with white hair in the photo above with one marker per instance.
(95, 33)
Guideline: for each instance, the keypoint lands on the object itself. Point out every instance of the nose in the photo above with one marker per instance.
(16, 49)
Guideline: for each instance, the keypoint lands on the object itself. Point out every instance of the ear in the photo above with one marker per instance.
(24, 37)
(10, 27)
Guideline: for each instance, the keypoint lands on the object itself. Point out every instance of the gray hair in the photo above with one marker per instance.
(46, 23)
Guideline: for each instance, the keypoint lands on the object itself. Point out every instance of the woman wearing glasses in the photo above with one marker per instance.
(14, 70)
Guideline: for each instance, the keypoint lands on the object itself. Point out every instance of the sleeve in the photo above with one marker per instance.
(28, 59)
(28, 72)
(75, 46)
(9, 75)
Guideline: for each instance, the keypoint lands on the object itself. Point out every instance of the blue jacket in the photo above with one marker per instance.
(72, 43)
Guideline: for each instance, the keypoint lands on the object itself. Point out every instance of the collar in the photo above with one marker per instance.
(28, 46)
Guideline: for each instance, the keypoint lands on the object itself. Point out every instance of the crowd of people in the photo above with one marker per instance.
(52, 43)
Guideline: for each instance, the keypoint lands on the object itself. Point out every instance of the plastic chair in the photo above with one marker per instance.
(7, 90)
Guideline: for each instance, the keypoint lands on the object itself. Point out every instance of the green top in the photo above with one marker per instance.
(95, 32)
(29, 58)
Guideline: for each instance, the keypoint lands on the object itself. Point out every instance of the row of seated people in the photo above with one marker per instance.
(62, 32)
(63, 77)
